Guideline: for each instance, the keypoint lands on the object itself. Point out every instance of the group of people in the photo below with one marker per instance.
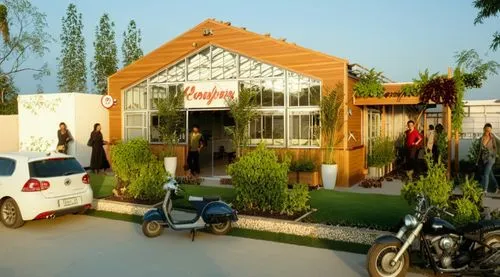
(98, 160)
(488, 151)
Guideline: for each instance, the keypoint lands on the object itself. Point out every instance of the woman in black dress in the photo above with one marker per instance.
(63, 138)
(98, 158)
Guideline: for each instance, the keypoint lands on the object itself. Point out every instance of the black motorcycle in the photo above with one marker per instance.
(471, 250)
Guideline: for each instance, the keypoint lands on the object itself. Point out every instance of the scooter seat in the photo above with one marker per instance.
(204, 198)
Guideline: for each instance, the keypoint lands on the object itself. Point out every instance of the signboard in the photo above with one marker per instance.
(107, 101)
(210, 94)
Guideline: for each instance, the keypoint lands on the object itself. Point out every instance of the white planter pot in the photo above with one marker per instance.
(329, 175)
(375, 172)
(170, 165)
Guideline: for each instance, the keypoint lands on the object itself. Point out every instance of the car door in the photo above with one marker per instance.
(7, 168)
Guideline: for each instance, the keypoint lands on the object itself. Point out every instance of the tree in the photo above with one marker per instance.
(105, 60)
(243, 110)
(488, 8)
(22, 27)
(8, 93)
(131, 47)
(72, 73)
(4, 24)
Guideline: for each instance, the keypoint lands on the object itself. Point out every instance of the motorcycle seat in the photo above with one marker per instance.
(481, 227)
(204, 198)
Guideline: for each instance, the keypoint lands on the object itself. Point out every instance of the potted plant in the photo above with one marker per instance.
(307, 172)
(243, 110)
(331, 108)
(171, 126)
(381, 154)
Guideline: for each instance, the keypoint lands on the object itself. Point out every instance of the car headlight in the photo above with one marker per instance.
(410, 221)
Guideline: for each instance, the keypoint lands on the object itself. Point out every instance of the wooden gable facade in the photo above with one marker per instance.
(331, 70)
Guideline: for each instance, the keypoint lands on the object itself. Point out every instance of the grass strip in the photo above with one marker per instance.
(260, 235)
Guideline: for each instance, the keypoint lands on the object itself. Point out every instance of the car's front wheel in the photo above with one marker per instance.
(10, 214)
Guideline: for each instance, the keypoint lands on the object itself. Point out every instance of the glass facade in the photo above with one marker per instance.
(288, 101)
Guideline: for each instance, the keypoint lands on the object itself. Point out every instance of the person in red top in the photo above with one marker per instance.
(413, 140)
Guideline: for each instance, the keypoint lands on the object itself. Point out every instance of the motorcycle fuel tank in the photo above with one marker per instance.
(438, 226)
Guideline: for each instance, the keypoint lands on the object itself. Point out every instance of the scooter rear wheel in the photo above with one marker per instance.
(152, 229)
(221, 228)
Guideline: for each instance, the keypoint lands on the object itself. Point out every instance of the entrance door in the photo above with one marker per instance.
(218, 150)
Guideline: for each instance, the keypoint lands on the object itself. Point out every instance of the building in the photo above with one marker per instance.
(217, 57)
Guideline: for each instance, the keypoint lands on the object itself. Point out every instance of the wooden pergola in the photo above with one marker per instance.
(393, 97)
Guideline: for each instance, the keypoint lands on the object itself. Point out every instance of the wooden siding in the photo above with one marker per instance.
(330, 70)
(373, 101)
(356, 165)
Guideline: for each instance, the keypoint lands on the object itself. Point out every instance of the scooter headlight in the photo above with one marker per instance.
(410, 221)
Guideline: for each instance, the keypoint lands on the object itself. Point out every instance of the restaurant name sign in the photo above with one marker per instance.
(211, 94)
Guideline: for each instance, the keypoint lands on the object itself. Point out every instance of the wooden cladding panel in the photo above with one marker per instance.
(356, 166)
(356, 117)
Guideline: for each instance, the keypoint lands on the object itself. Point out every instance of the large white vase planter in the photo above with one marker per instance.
(170, 164)
(329, 175)
(375, 172)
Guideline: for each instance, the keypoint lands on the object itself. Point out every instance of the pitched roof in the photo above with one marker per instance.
(261, 47)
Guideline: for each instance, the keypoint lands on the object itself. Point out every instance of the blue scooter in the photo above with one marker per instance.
(211, 212)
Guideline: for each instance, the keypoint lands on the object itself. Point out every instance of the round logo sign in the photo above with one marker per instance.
(107, 101)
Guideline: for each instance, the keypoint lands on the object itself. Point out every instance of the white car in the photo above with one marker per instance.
(39, 185)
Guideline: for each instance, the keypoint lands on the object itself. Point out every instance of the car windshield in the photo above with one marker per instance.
(55, 167)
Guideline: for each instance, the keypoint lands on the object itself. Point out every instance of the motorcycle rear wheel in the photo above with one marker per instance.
(221, 228)
(152, 229)
(379, 257)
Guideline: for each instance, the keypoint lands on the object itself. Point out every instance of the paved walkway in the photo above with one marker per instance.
(82, 246)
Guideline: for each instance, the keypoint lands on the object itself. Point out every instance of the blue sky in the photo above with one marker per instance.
(397, 37)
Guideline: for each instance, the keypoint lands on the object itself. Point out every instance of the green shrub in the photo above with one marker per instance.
(442, 145)
(382, 152)
(128, 157)
(434, 185)
(465, 212)
(149, 183)
(297, 200)
(303, 165)
(474, 151)
(370, 85)
(138, 170)
(260, 181)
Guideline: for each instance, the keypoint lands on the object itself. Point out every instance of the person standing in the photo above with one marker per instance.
(488, 155)
(63, 138)
(195, 146)
(431, 146)
(98, 160)
(413, 139)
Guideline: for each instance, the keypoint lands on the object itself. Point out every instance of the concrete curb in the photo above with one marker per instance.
(338, 233)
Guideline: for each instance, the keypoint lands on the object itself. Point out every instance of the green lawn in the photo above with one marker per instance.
(356, 209)
(102, 185)
(333, 207)
(227, 194)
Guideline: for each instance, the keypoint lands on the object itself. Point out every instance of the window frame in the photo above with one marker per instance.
(276, 73)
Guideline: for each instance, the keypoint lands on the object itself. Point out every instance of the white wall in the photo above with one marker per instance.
(9, 140)
(40, 115)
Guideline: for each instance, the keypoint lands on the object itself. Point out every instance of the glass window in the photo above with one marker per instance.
(268, 128)
(154, 128)
(135, 97)
(304, 92)
(7, 167)
(244, 67)
(135, 125)
(55, 168)
(293, 89)
(229, 65)
(304, 128)
(159, 78)
(267, 93)
(177, 72)
(315, 93)
(199, 66)
(278, 92)
(157, 92)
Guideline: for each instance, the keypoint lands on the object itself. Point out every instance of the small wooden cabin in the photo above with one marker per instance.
(215, 58)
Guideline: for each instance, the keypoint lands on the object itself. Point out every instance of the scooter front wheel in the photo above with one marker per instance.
(152, 229)
(221, 228)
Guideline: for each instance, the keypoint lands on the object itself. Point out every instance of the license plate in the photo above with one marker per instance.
(68, 202)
